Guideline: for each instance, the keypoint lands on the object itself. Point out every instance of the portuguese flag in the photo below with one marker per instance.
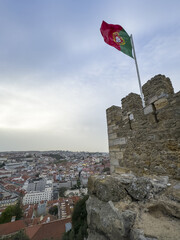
(117, 37)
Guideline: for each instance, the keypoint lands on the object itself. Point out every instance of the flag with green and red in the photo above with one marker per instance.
(117, 37)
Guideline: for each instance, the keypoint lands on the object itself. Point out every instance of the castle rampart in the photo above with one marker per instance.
(146, 141)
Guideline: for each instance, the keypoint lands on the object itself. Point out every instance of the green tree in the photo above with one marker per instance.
(11, 211)
(18, 211)
(69, 235)
(7, 214)
(79, 218)
(78, 183)
(2, 165)
(62, 191)
(53, 210)
(79, 222)
(20, 236)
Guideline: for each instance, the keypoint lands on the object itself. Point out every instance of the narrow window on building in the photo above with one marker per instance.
(155, 112)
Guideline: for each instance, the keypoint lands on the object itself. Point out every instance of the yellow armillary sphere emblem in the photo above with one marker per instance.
(118, 39)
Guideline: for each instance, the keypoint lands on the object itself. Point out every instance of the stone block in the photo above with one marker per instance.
(110, 129)
(159, 169)
(151, 137)
(112, 169)
(114, 149)
(112, 136)
(114, 162)
(153, 99)
(140, 188)
(107, 188)
(148, 109)
(125, 117)
(151, 119)
(118, 141)
(111, 143)
(120, 170)
(119, 155)
(162, 102)
(106, 220)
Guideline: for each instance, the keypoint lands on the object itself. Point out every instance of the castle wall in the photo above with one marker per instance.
(146, 141)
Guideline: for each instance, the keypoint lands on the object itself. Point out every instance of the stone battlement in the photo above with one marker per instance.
(146, 140)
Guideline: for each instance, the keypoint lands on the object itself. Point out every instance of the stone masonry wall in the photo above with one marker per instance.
(146, 141)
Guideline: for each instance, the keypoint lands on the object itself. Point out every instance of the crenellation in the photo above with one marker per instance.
(146, 140)
(131, 103)
(156, 88)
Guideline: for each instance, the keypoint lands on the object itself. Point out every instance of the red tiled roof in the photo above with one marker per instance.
(25, 177)
(11, 227)
(49, 230)
(31, 231)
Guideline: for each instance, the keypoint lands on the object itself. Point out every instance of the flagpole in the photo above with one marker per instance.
(137, 69)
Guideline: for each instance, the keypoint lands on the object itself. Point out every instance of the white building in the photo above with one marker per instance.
(38, 194)
(5, 173)
(12, 165)
(36, 197)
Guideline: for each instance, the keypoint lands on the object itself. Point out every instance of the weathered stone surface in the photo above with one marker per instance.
(159, 183)
(148, 109)
(126, 178)
(140, 188)
(150, 140)
(92, 235)
(162, 102)
(105, 219)
(157, 86)
(155, 216)
(137, 234)
(106, 188)
(158, 224)
(141, 200)
(169, 208)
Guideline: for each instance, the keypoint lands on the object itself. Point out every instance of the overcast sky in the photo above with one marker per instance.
(58, 77)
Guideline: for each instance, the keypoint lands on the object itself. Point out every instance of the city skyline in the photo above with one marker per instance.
(58, 77)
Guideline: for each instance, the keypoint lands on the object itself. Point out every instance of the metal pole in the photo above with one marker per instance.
(140, 87)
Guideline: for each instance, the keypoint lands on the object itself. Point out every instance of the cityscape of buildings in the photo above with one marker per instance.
(45, 181)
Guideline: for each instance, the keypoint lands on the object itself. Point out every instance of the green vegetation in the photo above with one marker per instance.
(60, 161)
(58, 158)
(18, 236)
(2, 165)
(53, 210)
(62, 191)
(78, 185)
(11, 211)
(29, 156)
(79, 222)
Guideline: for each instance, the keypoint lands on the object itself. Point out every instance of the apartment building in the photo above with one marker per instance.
(42, 190)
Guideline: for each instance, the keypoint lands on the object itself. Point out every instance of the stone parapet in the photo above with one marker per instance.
(147, 140)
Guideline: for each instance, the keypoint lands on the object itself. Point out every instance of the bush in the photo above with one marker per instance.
(62, 191)
(53, 210)
(11, 211)
(79, 222)
(18, 236)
